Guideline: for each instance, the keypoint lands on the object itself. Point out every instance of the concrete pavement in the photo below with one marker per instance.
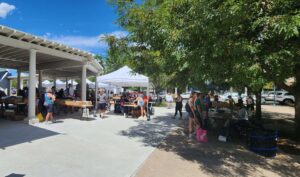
(111, 147)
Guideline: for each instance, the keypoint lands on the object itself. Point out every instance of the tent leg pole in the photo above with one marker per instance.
(148, 103)
(96, 96)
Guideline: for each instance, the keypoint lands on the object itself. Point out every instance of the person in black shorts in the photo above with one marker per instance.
(179, 105)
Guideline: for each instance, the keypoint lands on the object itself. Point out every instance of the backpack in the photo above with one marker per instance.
(187, 107)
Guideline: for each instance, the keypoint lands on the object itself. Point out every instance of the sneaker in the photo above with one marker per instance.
(190, 136)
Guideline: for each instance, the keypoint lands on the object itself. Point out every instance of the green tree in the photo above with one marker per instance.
(240, 43)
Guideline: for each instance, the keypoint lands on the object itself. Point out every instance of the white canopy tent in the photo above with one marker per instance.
(59, 84)
(125, 77)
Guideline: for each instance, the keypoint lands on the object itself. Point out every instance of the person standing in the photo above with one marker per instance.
(102, 103)
(198, 109)
(48, 103)
(250, 103)
(178, 106)
(169, 99)
(70, 90)
(231, 103)
(192, 114)
(140, 102)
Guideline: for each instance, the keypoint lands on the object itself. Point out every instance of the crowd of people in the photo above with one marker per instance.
(199, 104)
(139, 100)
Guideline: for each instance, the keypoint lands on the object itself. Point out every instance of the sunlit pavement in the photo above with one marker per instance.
(110, 147)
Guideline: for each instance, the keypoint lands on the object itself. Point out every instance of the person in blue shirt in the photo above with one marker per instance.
(48, 103)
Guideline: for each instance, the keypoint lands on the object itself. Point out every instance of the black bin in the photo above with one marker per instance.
(263, 142)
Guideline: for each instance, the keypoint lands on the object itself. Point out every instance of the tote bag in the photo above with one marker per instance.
(201, 135)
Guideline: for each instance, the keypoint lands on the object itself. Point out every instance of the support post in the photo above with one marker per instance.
(96, 93)
(32, 84)
(275, 94)
(148, 103)
(18, 81)
(10, 86)
(54, 82)
(66, 82)
(83, 83)
(40, 80)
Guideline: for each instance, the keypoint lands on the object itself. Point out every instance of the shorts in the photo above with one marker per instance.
(191, 115)
(50, 108)
(102, 106)
(141, 103)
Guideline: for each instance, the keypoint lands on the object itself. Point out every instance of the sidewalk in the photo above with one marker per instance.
(110, 147)
(178, 157)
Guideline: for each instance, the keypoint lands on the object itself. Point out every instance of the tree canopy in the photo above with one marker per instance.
(240, 43)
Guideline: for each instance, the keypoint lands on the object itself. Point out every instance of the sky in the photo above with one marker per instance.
(76, 23)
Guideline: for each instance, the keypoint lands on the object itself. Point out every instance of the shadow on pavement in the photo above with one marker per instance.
(15, 175)
(215, 158)
(228, 159)
(13, 133)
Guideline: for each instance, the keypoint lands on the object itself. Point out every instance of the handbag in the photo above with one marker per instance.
(201, 135)
(40, 117)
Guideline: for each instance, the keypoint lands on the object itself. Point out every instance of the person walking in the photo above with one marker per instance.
(102, 103)
(178, 106)
(48, 103)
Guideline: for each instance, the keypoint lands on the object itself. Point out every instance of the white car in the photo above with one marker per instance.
(186, 95)
(282, 97)
(235, 96)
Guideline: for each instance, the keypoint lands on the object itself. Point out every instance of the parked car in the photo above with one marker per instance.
(286, 98)
(162, 95)
(186, 95)
(235, 96)
(282, 97)
(13, 91)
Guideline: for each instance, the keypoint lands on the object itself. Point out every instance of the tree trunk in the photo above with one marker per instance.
(297, 103)
(258, 104)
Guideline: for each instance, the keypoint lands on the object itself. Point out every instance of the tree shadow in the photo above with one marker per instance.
(15, 175)
(215, 158)
(229, 159)
(13, 133)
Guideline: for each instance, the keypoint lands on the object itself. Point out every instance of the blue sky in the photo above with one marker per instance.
(76, 23)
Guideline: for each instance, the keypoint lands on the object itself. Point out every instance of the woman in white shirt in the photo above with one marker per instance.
(102, 103)
(169, 99)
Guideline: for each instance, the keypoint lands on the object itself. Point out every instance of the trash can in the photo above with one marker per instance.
(263, 142)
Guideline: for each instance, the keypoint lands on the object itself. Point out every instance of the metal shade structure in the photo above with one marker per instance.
(25, 52)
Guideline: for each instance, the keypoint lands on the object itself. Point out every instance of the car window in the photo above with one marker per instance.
(288, 94)
(279, 93)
